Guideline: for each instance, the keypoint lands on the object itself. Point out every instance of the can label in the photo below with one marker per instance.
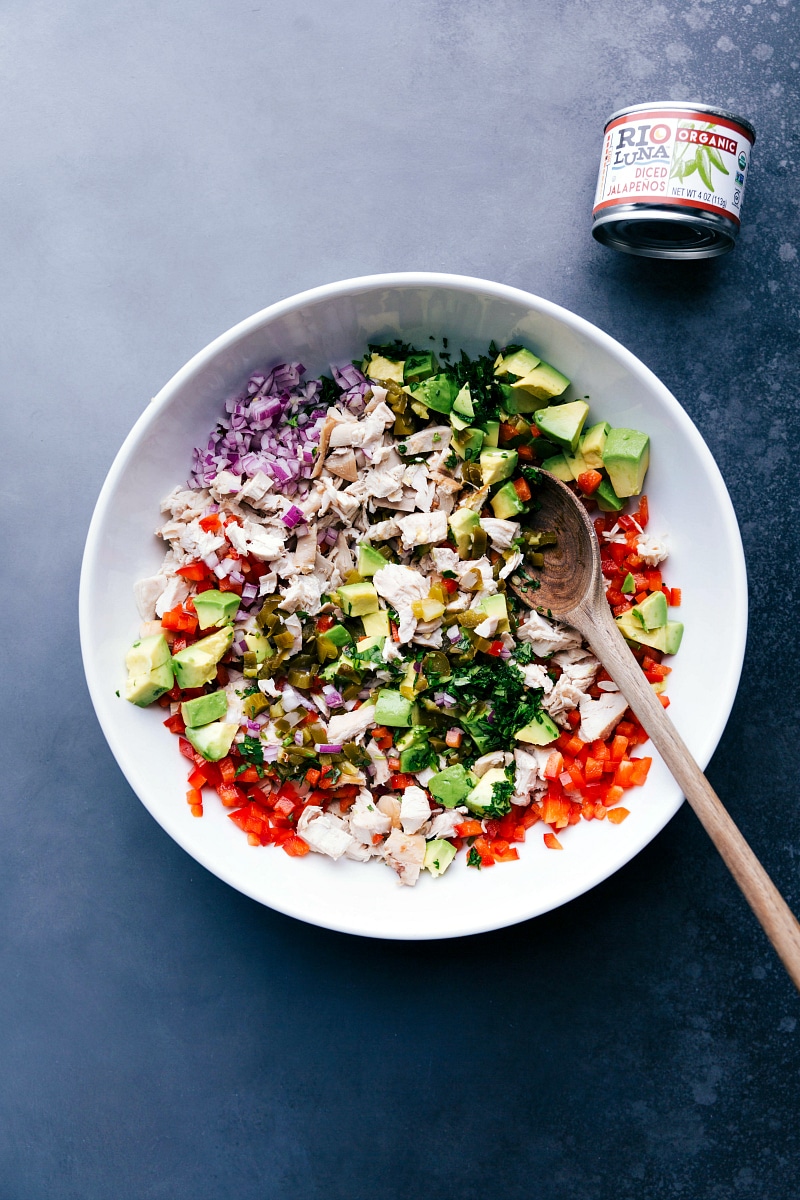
(682, 159)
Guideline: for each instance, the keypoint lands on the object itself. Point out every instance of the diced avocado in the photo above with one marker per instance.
(475, 724)
(467, 442)
(458, 422)
(215, 608)
(337, 635)
(562, 423)
(450, 786)
(438, 856)
(482, 795)
(497, 465)
(392, 709)
(576, 462)
(626, 457)
(259, 645)
(544, 382)
(368, 643)
(369, 560)
(212, 741)
(412, 737)
(356, 599)
(376, 624)
(462, 522)
(607, 499)
(204, 709)
(384, 369)
(558, 466)
(506, 503)
(144, 689)
(419, 365)
(197, 664)
(539, 732)
(495, 606)
(439, 393)
(628, 585)
(147, 654)
(652, 612)
(516, 401)
(463, 403)
(519, 363)
(417, 756)
(667, 638)
(491, 433)
(593, 443)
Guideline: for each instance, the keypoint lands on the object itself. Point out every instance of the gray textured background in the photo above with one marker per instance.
(168, 168)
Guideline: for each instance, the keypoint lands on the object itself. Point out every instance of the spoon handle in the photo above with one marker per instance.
(777, 919)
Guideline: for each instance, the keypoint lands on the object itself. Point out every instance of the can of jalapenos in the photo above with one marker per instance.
(672, 180)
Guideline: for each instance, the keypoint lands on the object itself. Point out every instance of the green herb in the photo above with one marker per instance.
(474, 858)
(292, 421)
(496, 691)
(403, 449)
(329, 393)
(450, 461)
(501, 799)
(252, 750)
(117, 694)
(449, 575)
(395, 351)
(532, 474)
(524, 654)
(437, 437)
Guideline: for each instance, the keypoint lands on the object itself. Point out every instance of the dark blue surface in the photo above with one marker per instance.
(168, 169)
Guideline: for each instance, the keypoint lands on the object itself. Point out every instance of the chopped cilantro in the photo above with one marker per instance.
(329, 393)
(474, 858)
(501, 799)
(251, 750)
(532, 474)
(524, 653)
(450, 461)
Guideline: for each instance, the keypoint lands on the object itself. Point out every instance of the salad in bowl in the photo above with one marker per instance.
(332, 630)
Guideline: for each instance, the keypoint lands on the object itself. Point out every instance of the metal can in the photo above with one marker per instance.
(672, 179)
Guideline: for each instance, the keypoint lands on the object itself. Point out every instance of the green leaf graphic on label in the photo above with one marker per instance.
(716, 159)
(704, 166)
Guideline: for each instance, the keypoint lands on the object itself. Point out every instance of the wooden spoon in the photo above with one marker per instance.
(570, 587)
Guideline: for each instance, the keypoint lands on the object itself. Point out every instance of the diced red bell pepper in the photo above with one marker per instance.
(175, 723)
(589, 482)
(552, 842)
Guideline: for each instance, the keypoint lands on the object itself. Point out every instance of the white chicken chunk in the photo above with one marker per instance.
(420, 529)
(536, 676)
(546, 637)
(652, 550)
(356, 433)
(325, 832)
(600, 717)
(379, 762)
(529, 772)
(500, 533)
(226, 484)
(414, 809)
(444, 824)
(444, 559)
(400, 587)
(405, 852)
(433, 437)
(146, 592)
(174, 593)
(366, 819)
(346, 727)
(496, 758)
(255, 490)
(251, 538)
(304, 594)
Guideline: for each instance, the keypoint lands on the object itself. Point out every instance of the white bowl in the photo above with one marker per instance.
(688, 501)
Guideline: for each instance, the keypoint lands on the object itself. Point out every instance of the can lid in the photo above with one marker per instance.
(663, 235)
(680, 106)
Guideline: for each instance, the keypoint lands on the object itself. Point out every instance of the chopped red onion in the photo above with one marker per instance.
(271, 753)
(329, 748)
(293, 516)
(453, 633)
(249, 592)
(298, 738)
(444, 700)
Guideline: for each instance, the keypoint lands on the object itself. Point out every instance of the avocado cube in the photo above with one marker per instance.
(147, 654)
(467, 441)
(212, 741)
(356, 599)
(652, 612)
(558, 466)
(543, 382)
(538, 732)
(593, 443)
(482, 795)
(383, 369)
(197, 664)
(370, 560)
(417, 757)
(419, 365)
(495, 606)
(562, 423)
(607, 499)
(576, 462)
(506, 503)
(258, 644)
(215, 608)
(518, 363)
(450, 786)
(516, 401)
(376, 624)
(463, 403)
(439, 853)
(439, 393)
(667, 638)
(204, 709)
(626, 457)
(392, 709)
(363, 645)
(462, 522)
(497, 465)
(491, 434)
(144, 689)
